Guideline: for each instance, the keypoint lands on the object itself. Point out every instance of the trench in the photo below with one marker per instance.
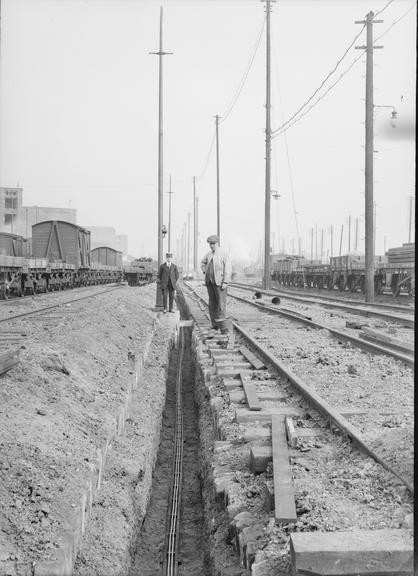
(203, 523)
(149, 548)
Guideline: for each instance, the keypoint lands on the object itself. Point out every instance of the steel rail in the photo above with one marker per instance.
(45, 308)
(170, 560)
(351, 306)
(332, 416)
(358, 342)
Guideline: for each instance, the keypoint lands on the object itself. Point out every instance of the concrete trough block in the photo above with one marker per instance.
(243, 415)
(360, 552)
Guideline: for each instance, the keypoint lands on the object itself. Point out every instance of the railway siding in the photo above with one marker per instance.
(336, 488)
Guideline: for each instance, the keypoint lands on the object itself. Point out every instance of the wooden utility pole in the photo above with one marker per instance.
(188, 243)
(316, 241)
(160, 54)
(194, 227)
(311, 245)
(169, 217)
(349, 234)
(322, 243)
(341, 237)
(332, 245)
(267, 196)
(356, 242)
(218, 190)
(369, 223)
(410, 219)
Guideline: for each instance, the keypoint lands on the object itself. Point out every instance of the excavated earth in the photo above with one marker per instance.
(58, 406)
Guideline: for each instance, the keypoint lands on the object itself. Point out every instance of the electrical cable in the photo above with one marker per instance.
(284, 128)
(395, 22)
(322, 83)
(207, 159)
(245, 76)
(384, 8)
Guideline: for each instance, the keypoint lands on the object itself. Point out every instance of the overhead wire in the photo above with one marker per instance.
(245, 75)
(288, 125)
(322, 83)
(285, 128)
(384, 8)
(395, 21)
(235, 97)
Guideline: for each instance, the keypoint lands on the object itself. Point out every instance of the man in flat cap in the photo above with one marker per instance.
(168, 276)
(216, 268)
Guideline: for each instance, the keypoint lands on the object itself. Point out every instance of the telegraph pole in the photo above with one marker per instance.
(410, 219)
(169, 216)
(266, 279)
(349, 233)
(188, 243)
(218, 196)
(194, 227)
(369, 235)
(160, 55)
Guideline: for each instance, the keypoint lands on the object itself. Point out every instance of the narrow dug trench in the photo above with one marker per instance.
(149, 549)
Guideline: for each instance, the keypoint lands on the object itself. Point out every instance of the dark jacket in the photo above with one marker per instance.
(166, 273)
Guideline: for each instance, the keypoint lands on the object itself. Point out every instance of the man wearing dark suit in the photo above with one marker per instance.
(168, 276)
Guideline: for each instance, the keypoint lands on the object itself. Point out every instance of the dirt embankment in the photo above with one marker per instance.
(74, 388)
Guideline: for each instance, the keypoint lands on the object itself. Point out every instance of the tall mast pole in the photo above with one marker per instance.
(169, 217)
(160, 55)
(266, 279)
(194, 227)
(188, 243)
(218, 192)
(369, 236)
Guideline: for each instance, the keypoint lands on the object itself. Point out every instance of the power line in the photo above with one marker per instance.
(384, 8)
(244, 78)
(207, 158)
(320, 98)
(395, 22)
(286, 126)
(322, 83)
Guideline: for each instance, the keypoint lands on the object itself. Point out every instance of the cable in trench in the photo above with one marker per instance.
(170, 561)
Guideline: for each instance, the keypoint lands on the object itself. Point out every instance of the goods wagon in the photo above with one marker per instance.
(107, 256)
(140, 270)
(61, 242)
(11, 244)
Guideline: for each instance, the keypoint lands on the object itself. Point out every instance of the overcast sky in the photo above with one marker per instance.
(79, 115)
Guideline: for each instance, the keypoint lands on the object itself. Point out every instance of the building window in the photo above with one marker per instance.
(8, 218)
(10, 203)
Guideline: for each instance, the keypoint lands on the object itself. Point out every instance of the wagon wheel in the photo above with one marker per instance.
(395, 285)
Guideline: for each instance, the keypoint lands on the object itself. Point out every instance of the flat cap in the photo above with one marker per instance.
(213, 238)
(168, 255)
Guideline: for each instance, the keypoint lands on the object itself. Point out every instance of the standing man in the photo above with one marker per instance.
(168, 276)
(215, 266)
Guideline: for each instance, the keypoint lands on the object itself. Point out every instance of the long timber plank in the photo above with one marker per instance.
(284, 494)
(251, 358)
(252, 399)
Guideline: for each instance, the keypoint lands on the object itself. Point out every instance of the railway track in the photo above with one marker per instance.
(270, 401)
(360, 308)
(400, 350)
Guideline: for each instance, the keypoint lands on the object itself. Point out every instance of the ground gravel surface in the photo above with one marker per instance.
(337, 487)
(56, 409)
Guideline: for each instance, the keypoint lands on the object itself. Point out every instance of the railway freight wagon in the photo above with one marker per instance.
(11, 244)
(106, 263)
(140, 270)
